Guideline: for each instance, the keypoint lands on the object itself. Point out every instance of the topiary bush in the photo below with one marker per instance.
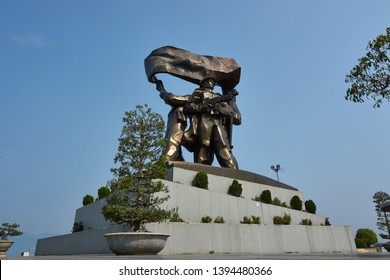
(201, 180)
(219, 220)
(235, 189)
(206, 219)
(368, 235)
(360, 243)
(88, 199)
(296, 203)
(310, 206)
(103, 192)
(265, 197)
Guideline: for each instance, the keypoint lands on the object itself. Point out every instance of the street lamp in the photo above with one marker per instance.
(276, 168)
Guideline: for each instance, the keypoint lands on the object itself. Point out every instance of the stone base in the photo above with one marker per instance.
(194, 237)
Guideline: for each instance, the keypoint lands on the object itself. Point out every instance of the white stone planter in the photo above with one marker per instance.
(4, 246)
(136, 243)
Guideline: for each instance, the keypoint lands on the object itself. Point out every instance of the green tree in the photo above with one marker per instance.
(367, 235)
(8, 229)
(370, 78)
(133, 199)
(382, 220)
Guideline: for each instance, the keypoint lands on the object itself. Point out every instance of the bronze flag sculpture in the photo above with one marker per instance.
(210, 115)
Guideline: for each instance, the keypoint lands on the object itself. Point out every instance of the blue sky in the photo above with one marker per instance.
(70, 69)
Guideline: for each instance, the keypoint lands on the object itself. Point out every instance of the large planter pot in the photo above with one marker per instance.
(4, 246)
(136, 243)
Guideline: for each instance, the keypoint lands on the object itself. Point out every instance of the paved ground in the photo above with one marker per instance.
(287, 256)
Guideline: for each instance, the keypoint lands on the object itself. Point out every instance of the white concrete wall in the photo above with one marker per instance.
(194, 203)
(198, 238)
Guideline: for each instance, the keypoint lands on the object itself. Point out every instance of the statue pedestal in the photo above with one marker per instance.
(194, 237)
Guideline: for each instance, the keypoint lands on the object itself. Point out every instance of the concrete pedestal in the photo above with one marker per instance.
(231, 237)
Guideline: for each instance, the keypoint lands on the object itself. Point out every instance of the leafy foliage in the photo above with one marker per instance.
(382, 222)
(360, 243)
(368, 235)
(306, 222)
(370, 78)
(250, 220)
(206, 219)
(310, 206)
(87, 199)
(175, 217)
(219, 220)
(285, 220)
(265, 196)
(77, 226)
(103, 192)
(235, 189)
(8, 229)
(201, 180)
(296, 203)
(133, 199)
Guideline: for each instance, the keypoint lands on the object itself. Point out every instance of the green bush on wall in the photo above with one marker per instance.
(103, 192)
(219, 220)
(310, 206)
(201, 180)
(250, 220)
(306, 222)
(88, 199)
(235, 189)
(266, 197)
(77, 226)
(206, 219)
(285, 220)
(296, 203)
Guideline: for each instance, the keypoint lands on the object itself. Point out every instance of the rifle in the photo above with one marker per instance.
(193, 107)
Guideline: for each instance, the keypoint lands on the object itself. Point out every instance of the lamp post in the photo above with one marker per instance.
(276, 168)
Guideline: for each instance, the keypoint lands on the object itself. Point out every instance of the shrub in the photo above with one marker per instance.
(206, 219)
(219, 220)
(77, 226)
(276, 201)
(296, 203)
(250, 220)
(310, 206)
(175, 218)
(88, 199)
(367, 235)
(235, 189)
(306, 222)
(278, 220)
(103, 192)
(265, 197)
(360, 243)
(285, 220)
(327, 223)
(201, 180)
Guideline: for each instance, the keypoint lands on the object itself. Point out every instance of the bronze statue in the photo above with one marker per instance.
(211, 115)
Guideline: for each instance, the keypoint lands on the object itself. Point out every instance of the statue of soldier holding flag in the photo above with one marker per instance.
(211, 115)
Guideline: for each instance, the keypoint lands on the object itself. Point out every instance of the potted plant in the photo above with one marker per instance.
(7, 230)
(133, 199)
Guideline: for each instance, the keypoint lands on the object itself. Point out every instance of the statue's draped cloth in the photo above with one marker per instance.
(192, 67)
